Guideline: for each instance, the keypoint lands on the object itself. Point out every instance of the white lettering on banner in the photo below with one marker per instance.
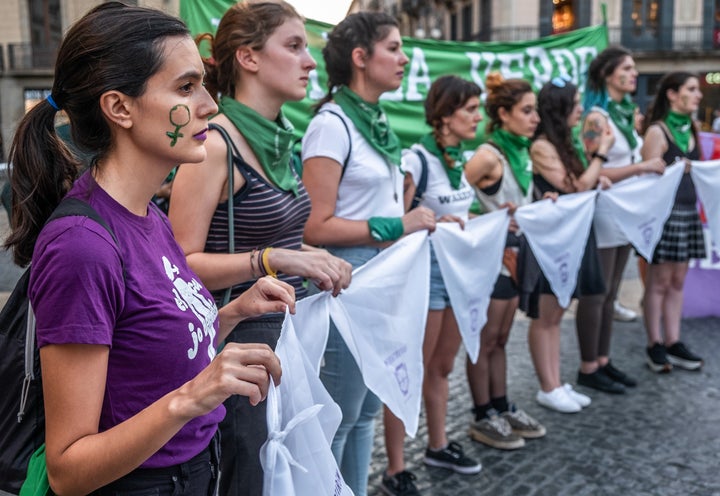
(419, 74)
(537, 61)
(540, 66)
(565, 60)
(512, 65)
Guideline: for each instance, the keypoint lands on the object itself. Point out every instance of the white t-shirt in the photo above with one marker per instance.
(370, 186)
(439, 195)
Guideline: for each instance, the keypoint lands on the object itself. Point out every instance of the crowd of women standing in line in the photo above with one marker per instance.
(130, 407)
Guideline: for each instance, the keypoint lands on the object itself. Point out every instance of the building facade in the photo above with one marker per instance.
(30, 33)
(662, 34)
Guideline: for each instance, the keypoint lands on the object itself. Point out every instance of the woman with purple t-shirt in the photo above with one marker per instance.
(133, 388)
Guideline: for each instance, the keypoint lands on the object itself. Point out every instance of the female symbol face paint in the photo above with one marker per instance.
(179, 117)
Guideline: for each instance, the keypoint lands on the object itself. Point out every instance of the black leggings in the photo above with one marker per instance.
(594, 316)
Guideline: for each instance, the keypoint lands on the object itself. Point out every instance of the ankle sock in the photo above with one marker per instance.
(480, 411)
(500, 404)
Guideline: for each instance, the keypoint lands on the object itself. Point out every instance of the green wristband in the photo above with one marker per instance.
(385, 228)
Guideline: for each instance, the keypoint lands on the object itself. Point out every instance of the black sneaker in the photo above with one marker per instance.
(679, 355)
(657, 359)
(400, 484)
(452, 457)
(618, 375)
(598, 380)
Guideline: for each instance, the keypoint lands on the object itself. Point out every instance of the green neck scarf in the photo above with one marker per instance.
(270, 141)
(623, 115)
(517, 151)
(578, 146)
(371, 122)
(680, 126)
(452, 154)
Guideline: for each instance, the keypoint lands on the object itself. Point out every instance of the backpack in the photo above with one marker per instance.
(296, 158)
(22, 412)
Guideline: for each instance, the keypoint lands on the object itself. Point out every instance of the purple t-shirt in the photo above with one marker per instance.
(158, 319)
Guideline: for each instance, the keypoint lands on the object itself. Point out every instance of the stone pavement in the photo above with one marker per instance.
(661, 438)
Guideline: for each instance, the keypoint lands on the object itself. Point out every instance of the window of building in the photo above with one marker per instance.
(646, 17)
(45, 31)
(467, 22)
(647, 24)
(33, 96)
(716, 25)
(563, 16)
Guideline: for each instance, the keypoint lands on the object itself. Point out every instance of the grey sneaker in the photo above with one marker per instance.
(523, 424)
(496, 432)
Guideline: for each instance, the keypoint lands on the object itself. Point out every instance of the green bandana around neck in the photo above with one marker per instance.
(454, 153)
(680, 126)
(517, 151)
(371, 122)
(578, 146)
(270, 141)
(623, 115)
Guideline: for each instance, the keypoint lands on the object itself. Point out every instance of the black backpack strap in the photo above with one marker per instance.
(347, 130)
(69, 207)
(422, 183)
(231, 150)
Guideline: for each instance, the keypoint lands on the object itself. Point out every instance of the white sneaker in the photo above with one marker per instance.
(623, 314)
(559, 400)
(579, 398)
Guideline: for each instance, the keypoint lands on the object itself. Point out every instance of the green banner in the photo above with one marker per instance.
(537, 61)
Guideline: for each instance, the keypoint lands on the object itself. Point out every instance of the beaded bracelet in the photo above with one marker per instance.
(252, 265)
(266, 263)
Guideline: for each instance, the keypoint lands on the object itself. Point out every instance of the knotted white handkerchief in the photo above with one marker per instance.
(641, 206)
(557, 232)
(470, 261)
(302, 420)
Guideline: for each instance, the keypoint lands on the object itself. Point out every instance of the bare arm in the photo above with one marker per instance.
(483, 169)
(547, 163)
(80, 459)
(593, 127)
(655, 144)
(321, 176)
(197, 190)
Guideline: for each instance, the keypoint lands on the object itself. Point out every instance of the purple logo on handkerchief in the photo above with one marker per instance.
(403, 378)
(646, 231)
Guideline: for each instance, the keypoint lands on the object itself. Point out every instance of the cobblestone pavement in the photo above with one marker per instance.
(661, 438)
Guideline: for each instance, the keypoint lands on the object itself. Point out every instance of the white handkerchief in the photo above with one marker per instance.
(312, 326)
(470, 261)
(640, 207)
(302, 421)
(381, 317)
(557, 233)
(706, 177)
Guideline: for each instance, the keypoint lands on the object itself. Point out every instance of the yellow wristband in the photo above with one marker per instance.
(266, 263)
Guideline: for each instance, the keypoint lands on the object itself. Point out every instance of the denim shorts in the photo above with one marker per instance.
(439, 299)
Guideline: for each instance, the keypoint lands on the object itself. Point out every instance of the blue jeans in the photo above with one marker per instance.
(353, 442)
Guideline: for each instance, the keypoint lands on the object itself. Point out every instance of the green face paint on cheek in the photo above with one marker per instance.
(179, 117)
(623, 79)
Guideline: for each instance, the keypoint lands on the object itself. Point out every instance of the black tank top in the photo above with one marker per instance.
(686, 191)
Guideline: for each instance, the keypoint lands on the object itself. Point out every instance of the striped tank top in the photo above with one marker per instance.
(264, 216)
